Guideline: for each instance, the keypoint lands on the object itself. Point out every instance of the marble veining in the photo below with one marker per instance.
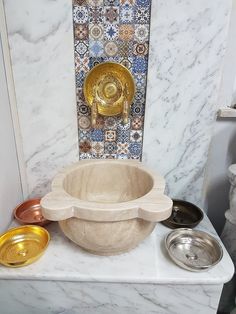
(54, 297)
(41, 44)
(187, 46)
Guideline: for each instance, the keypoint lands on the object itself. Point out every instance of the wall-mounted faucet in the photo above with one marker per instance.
(109, 89)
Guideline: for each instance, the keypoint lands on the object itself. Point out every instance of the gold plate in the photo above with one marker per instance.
(110, 80)
(23, 245)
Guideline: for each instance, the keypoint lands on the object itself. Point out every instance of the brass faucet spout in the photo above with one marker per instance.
(126, 105)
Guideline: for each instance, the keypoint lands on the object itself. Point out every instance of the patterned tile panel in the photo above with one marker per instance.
(118, 31)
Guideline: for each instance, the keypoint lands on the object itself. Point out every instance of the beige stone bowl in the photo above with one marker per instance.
(107, 206)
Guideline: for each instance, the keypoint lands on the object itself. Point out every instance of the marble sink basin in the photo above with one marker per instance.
(107, 206)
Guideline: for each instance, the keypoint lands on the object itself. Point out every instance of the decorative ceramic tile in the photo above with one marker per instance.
(123, 156)
(97, 148)
(84, 110)
(142, 15)
(111, 48)
(96, 31)
(127, 62)
(109, 156)
(110, 147)
(140, 65)
(123, 136)
(96, 48)
(94, 61)
(85, 146)
(116, 31)
(123, 148)
(81, 48)
(85, 156)
(79, 78)
(143, 3)
(126, 32)
(137, 110)
(110, 135)
(84, 122)
(126, 14)
(80, 14)
(140, 80)
(81, 64)
(140, 49)
(137, 123)
(79, 2)
(81, 31)
(111, 123)
(129, 2)
(96, 14)
(125, 49)
(111, 2)
(135, 149)
(111, 14)
(111, 31)
(136, 136)
(84, 134)
(94, 3)
(97, 135)
(123, 127)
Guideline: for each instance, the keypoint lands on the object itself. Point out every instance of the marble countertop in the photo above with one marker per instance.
(148, 263)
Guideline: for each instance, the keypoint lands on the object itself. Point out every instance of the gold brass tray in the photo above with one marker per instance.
(110, 85)
(23, 245)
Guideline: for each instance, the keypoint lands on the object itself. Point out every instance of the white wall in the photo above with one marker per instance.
(187, 47)
(40, 36)
(10, 184)
(222, 151)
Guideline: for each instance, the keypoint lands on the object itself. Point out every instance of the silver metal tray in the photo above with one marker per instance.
(193, 250)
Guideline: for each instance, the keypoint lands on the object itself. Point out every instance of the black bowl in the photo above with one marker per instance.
(184, 215)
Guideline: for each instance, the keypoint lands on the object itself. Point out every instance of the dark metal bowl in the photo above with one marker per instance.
(184, 215)
(30, 212)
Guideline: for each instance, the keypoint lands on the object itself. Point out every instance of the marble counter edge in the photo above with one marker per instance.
(161, 270)
(80, 279)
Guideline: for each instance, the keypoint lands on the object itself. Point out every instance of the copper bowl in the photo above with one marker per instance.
(30, 212)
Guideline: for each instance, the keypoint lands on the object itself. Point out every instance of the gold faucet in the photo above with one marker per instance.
(126, 107)
(94, 109)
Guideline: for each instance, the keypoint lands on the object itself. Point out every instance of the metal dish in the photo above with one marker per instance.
(23, 245)
(184, 215)
(30, 212)
(193, 250)
(107, 82)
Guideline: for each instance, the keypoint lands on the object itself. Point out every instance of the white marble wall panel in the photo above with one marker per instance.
(41, 43)
(36, 297)
(187, 47)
